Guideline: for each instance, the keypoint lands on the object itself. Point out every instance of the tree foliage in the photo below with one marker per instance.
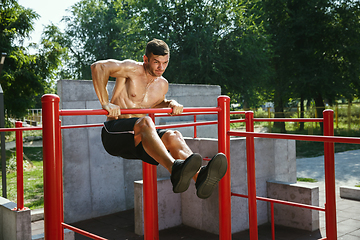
(212, 42)
(315, 49)
(25, 77)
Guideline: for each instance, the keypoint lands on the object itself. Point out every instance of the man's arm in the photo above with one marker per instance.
(176, 107)
(101, 71)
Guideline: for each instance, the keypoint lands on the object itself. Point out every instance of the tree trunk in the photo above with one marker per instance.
(302, 110)
(279, 112)
(320, 107)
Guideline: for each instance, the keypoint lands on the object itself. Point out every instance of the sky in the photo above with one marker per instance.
(50, 11)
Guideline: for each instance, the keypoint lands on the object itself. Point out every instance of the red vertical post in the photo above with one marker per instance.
(150, 201)
(329, 163)
(250, 157)
(19, 167)
(195, 131)
(52, 172)
(225, 182)
(60, 167)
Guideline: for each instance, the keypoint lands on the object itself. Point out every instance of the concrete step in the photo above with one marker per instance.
(37, 214)
(37, 226)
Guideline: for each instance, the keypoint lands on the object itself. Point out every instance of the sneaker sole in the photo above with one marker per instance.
(217, 169)
(191, 167)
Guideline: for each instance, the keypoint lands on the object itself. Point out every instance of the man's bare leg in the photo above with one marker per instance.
(144, 132)
(206, 178)
(181, 170)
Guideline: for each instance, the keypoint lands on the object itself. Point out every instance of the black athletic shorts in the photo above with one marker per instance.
(118, 139)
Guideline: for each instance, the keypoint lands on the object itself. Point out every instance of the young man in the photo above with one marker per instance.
(141, 85)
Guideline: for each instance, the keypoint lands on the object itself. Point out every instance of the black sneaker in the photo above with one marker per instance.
(183, 171)
(210, 175)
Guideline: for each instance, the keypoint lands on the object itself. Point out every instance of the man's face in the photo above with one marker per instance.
(156, 64)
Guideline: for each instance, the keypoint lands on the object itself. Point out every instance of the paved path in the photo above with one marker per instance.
(347, 168)
(12, 145)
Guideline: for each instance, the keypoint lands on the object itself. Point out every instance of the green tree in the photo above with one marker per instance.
(315, 49)
(24, 76)
(97, 30)
(212, 42)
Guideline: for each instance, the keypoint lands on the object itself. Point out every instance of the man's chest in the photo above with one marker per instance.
(143, 94)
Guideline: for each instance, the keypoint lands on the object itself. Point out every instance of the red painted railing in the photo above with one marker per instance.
(53, 190)
(52, 167)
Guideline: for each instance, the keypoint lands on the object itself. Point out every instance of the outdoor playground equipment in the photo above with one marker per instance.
(53, 190)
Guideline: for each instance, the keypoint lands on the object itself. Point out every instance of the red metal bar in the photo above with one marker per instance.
(52, 174)
(329, 164)
(59, 164)
(77, 112)
(22, 129)
(237, 112)
(250, 155)
(272, 221)
(19, 167)
(188, 114)
(271, 200)
(298, 137)
(186, 124)
(225, 182)
(288, 119)
(82, 126)
(195, 132)
(237, 120)
(150, 201)
(82, 232)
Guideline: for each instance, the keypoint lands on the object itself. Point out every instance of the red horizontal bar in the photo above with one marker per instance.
(282, 202)
(82, 232)
(77, 112)
(237, 120)
(186, 124)
(297, 137)
(20, 129)
(288, 119)
(84, 125)
(237, 112)
(186, 114)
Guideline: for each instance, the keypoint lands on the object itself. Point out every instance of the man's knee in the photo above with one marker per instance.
(172, 137)
(144, 124)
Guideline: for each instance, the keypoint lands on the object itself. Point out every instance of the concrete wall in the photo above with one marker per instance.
(95, 183)
(14, 225)
(275, 160)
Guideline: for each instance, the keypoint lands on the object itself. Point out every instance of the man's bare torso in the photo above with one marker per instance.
(136, 91)
(134, 87)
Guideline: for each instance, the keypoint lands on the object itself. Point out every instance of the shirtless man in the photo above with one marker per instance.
(141, 85)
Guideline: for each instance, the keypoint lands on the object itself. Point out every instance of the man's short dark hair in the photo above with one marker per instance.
(157, 47)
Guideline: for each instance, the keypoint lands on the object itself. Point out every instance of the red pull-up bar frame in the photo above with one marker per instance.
(53, 192)
(52, 157)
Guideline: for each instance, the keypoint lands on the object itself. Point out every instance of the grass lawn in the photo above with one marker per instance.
(33, 178)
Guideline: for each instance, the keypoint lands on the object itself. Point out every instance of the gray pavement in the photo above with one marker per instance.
(347, 173)
(347, 168)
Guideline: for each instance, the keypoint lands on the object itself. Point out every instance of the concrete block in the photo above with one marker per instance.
(199, 213)
(37, 214)
(291, 216)
(350, 192)
(79, 90)
(169, 206)
(72, 120)
(14, 225)
(285, 160)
